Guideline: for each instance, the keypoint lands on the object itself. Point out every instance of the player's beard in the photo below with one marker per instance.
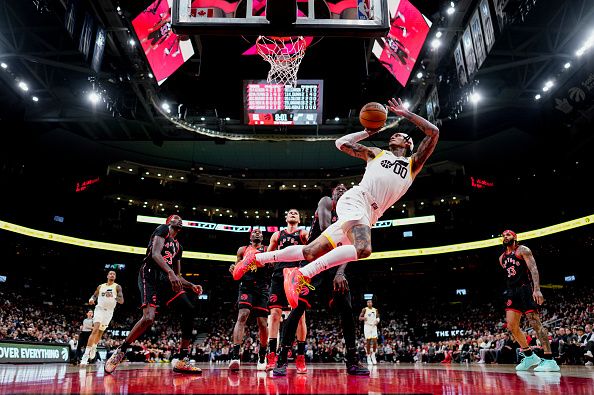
(257, 240)
(508, 243)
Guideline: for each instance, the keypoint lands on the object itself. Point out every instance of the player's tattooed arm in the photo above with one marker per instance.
(359, 151)
(120, 297)
(94, 297)
(525, 253)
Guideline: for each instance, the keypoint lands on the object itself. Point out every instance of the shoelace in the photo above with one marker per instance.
(303, 282)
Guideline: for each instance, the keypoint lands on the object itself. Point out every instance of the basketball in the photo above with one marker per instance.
(373, 115)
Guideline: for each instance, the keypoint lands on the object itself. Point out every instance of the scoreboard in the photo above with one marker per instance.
(276, 104)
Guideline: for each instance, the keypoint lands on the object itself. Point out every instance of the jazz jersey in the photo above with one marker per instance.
(370, 316)
(107, 296)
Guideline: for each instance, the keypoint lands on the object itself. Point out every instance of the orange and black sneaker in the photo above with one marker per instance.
(184, 366)
(271, 361)
(296, 284)
(247, 263)
(300, 364)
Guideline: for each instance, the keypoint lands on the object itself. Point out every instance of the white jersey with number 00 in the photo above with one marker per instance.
(107, 296)
(387, 177)
(370, 316)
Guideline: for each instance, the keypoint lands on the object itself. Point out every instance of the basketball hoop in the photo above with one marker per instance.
(284, 55)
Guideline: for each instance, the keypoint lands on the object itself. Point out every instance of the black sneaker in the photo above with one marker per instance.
(357, 369)
(280, 370)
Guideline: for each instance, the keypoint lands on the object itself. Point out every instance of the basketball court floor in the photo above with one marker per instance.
(136, 378)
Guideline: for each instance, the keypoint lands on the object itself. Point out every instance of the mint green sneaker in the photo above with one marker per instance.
(547, 365)
(528, 362)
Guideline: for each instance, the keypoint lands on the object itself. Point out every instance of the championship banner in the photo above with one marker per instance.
(488, 31)
(99, 48)
(477, 38)
(18, 352)
(469, 54)
(86, 35)
(460, 68)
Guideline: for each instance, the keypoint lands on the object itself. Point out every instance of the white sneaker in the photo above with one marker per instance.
(373, 360)
(261, 365)
(234, 365)
(481, 361)
(84, 360)
(93, 353)
(369, 360)
(589, 354)
(589, 363)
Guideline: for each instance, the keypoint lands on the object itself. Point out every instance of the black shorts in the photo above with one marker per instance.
(324, 295)
(277, 299)
(155, 287)
(520, 299)
(253, 295)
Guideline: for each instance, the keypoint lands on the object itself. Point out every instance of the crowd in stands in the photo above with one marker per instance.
(478, 333)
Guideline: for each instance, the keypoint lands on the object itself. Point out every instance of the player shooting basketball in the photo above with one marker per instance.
(388, 175)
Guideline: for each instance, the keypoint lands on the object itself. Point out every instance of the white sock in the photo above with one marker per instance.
(87, 350)
(289, 254)
(336, 257)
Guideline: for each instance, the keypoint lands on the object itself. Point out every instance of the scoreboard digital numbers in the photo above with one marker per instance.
(275, 104)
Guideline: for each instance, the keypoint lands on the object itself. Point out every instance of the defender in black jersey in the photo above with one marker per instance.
(523, 296)
(331, 287)
(277, 301)
(252, 300)
(161, 284)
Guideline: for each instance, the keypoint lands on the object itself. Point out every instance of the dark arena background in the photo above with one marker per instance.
(115, 115)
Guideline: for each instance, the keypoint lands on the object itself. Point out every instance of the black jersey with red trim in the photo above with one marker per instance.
(316, 227)
(286, 239)
(517, 270)
(260, 276)
(171, 251)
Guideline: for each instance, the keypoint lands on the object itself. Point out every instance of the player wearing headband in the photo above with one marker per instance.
(388, 175)
(523, 296)
(161, 284)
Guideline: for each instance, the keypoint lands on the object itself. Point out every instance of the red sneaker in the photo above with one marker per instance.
(296, 284)
(300, 363)
(184, 366)
(271, 359)
(247, 263)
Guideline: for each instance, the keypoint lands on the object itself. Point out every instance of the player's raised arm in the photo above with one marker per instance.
(431, 134)
(120, 296)
(349, 145)
(273, 246)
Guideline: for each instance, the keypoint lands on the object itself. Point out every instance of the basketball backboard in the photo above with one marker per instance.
(356, 18)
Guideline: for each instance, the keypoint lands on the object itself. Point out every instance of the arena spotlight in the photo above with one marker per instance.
(451, 9)
(435, 43)
(406, 104)
(587, 45)
(94, 97)
(35, 98)
(150, 75)
(227, 119)
(23, 86)
(336, 119)
(548, 85)
(165, 106)
(438, 34)
(475, 97)
(420, 74)
(4, 65)
(132, 42)
(537, 97)
(567, 65)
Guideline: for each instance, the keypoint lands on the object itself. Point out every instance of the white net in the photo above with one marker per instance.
(284, 54)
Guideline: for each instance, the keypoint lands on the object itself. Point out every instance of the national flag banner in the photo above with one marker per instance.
(202, 12)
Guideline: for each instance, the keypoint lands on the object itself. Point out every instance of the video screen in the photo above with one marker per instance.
(461, 291)
(165, 51)
(569, 279)
(276, 104)
(399, 50)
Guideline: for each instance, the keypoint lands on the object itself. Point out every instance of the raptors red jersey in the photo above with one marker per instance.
(286, 239)
(518, 273)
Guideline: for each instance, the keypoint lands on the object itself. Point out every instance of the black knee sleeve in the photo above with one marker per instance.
(187, 311)
(291, 324)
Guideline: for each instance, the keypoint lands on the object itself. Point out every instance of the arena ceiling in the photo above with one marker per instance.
(507, 126)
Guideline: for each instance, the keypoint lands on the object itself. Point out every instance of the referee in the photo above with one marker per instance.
(86, 329)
